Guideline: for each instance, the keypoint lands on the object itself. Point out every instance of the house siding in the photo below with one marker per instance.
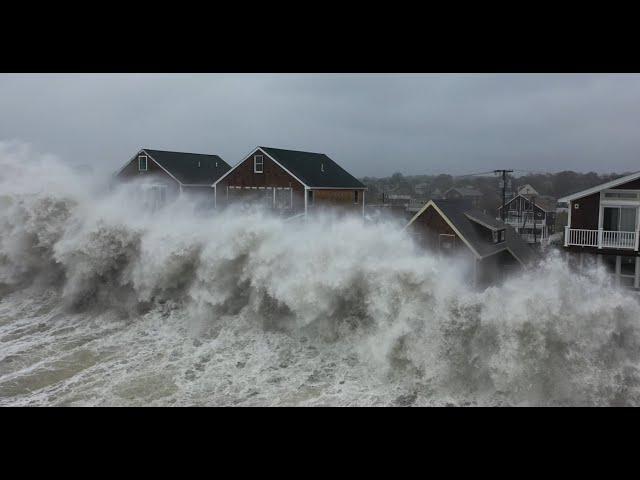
(273, 176)
(154, 173)
(341, 198)
(632, 185)
(428, 227)
(586, 216)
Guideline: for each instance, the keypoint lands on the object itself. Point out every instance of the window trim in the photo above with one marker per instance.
(255, 164)
(448, 237)
(146, 163)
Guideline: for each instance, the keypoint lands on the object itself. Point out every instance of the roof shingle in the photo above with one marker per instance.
(314, 169)
(190, 168)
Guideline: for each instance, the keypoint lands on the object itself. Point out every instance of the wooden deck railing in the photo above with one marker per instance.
(600, 238)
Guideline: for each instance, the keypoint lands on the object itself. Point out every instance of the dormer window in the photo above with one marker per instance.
(142, 163)
(258, 164)
(498, 236)
(322, 167)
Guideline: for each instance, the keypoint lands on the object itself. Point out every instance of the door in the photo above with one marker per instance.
(619, 219)
(619, 225)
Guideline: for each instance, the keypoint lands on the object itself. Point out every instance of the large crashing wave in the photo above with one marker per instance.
(355, 312)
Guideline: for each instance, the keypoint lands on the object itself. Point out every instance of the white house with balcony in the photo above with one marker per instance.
(603, 221)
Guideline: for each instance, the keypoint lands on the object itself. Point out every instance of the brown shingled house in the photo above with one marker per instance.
(162, 176)
(290, 182)
(454, 227)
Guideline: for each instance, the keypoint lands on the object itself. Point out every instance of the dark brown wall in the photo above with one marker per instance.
(428, 227)
(632, 185)
(273, 176)
(153, 173)
(586, 216)
(342, 199)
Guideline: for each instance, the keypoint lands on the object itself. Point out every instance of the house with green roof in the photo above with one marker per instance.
(290, 182)
(160, 175)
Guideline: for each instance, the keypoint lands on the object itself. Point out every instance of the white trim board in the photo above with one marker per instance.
(597, 188)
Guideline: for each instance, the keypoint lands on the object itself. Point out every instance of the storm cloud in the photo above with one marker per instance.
(373, 124)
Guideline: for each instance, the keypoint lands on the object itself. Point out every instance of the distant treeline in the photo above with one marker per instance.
(554, 185)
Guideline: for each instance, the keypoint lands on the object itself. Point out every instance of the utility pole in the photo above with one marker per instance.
(533, 211)
(504, 190)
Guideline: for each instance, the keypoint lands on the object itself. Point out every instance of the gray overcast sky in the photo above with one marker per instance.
(372, 124)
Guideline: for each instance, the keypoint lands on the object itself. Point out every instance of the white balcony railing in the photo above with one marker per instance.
(600, 238)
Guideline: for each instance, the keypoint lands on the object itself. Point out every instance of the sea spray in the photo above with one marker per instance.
(105, 303)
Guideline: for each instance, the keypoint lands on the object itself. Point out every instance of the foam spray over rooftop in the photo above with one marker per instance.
(102, 303)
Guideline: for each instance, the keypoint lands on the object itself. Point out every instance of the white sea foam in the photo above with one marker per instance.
(103, 303)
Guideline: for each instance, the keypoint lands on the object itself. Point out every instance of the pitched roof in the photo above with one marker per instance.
(466, 191)
(485, 220)
(548, 204)
(314, 169)
(526, 187)
(471, 225)
(190, 168)
(597, 188)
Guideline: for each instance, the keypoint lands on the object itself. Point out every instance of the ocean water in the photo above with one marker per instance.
(104, 303)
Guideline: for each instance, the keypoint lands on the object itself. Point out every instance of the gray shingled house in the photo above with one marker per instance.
(454, 227)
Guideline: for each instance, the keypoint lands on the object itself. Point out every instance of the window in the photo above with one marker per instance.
(621, 195)
(142, 163)
(282, 197)
(619, 219)
(355, 196)
(446, 241)
(310, 197)
(258, 164)
(498, 236)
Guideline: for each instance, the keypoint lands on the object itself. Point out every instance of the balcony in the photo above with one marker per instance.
(524, 220)
(600, 238)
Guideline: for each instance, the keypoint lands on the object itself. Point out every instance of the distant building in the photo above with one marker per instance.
(290, 182)
(533, 218)
(493, 248)
(467, 193)
(527, 190)
(161, 176)
(396, 200)
(421, 189)
(436, 194)
(602, 226)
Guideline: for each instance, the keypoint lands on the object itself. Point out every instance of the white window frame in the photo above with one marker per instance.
(146, 163)
(448, 238)
(255, 163)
